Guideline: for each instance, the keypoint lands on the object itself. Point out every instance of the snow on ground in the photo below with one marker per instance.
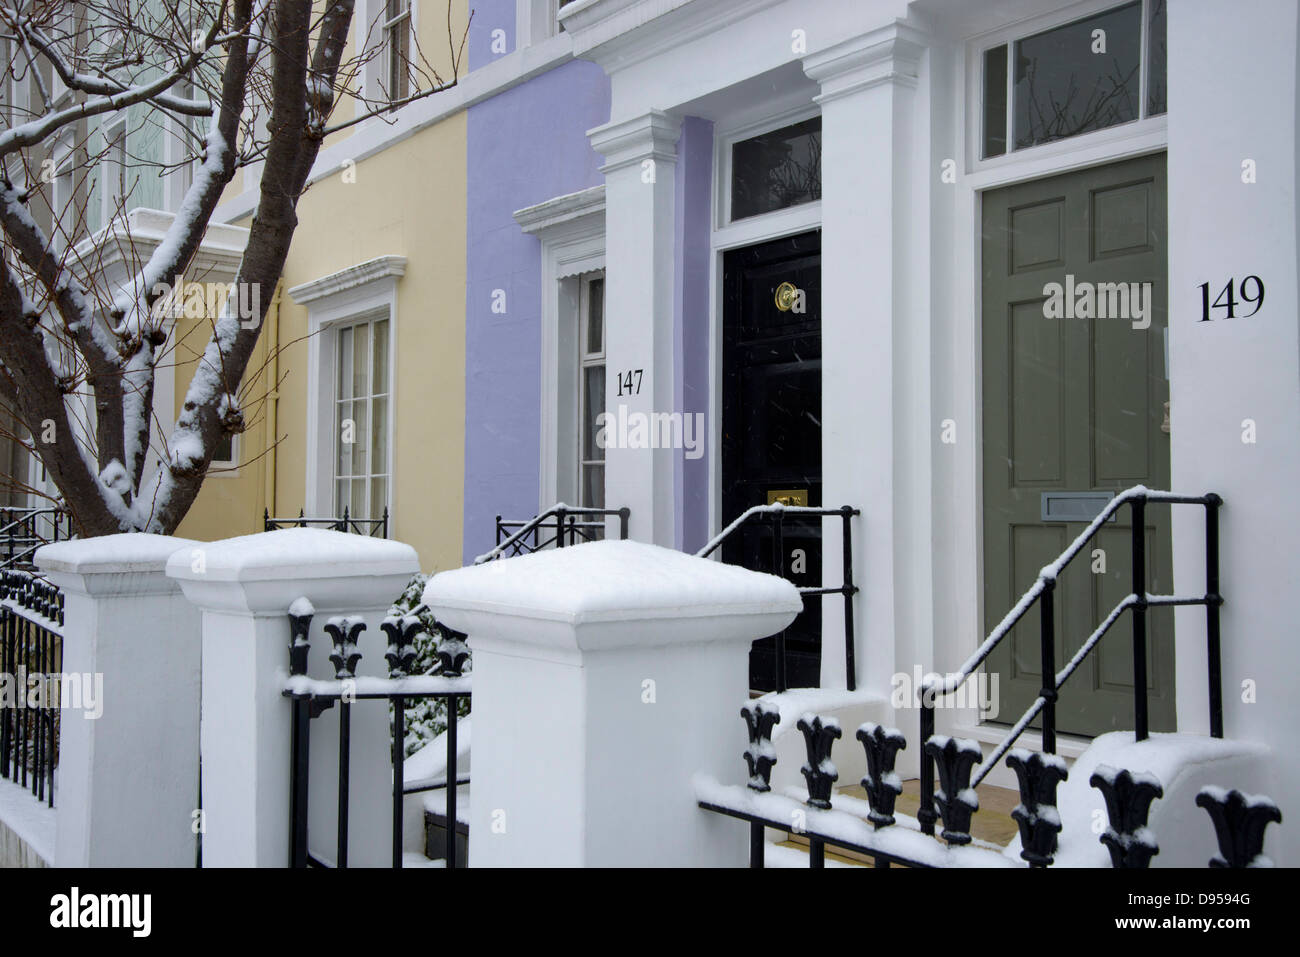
(429, 764)
(28, 818)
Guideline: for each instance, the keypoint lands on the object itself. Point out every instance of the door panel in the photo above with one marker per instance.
(1075, 404)
(771, 430)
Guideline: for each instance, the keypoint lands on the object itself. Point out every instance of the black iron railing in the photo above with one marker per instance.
(31, 663)
(310, 699)
(1138, 601)
(373, 527)
(871, 828)
(23, 530)
(776, 515)
(558, 526)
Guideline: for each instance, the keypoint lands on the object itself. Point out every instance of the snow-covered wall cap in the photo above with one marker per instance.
(293, 553)
(611, 593)
(128, 552)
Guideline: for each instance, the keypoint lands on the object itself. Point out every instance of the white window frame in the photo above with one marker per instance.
(1111, 138)
(333, 302)
(572, 233)
(108, 204)
(754, 228)
(64, 180)
(387, 27)
(181, 175)
(536, 21)
(229, 468)
(368, 321)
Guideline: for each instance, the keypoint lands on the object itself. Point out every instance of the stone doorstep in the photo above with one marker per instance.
(992, 822)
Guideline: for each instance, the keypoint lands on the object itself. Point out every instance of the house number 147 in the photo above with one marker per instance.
(626, 380)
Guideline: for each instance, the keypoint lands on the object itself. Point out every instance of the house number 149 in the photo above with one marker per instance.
(1251, 290)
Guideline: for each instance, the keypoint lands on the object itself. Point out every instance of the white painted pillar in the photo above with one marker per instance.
(1235, 383)
(640, 159)
(128, 777)
(605, 676)
(876, 433)
(244, 587)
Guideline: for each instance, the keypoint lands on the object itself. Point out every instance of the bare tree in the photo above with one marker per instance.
(255, 83)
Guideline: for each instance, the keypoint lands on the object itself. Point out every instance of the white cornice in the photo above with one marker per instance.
(372, 270)
(619, 33)
(548, 216)
(890, 54)
(652, 136)
(126, 245)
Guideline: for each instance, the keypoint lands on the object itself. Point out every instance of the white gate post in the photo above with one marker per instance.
(605, 676)
(244, 587)
(129, 778)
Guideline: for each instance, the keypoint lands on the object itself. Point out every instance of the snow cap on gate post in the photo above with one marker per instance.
(605, 676)
(128, 760)
(245, 587)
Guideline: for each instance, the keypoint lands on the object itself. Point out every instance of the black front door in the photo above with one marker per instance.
(771, 430)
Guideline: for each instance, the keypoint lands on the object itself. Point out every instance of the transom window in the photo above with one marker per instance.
(591, 390)
(777, 170)
(1090, 74)
(361, 419)
(397, 44)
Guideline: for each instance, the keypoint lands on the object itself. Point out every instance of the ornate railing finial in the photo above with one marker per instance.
(1039, 820)
(344, 633)
(760, 719)
(820, 771)
(400, 653)
(957, 801)
(300, 615)
(452, 653)
(881, 783)
(1239, 823)
(1128, 803)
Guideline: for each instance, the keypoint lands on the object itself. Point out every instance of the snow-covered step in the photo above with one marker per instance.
(1183, 764)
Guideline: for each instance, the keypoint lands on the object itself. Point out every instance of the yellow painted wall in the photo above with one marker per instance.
(408, 201)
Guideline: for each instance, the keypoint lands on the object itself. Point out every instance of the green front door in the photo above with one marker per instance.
(1074, 408)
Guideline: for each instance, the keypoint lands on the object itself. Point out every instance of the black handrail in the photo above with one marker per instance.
(776, 513)
(373, 527)
(566, 523)
(21, 535)
(1043, 591)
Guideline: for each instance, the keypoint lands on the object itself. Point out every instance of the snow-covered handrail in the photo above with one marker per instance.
(555, 511)
(749, 513)
(1048, 574)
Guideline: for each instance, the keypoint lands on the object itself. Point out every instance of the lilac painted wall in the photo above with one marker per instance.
(525, 146)
(691, 254)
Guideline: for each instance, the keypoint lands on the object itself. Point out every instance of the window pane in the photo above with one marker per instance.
(357, 504)
(345, 364)
(593, 486)
(361, 433)
(378, 497)
(594, 404)
(995, 101)
(345, 430)
(1064, 88)
(340, 496)
(595, 315)
(776, 170)
(379, 421)
(1157, 60)
(379, 379)
(225, 451)
(396, 7)
(361, 361)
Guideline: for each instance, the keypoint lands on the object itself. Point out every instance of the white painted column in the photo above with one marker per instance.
(605, 677)
(876, 429)
(244, 587)
(641, 156)
(128, 759)
(1235, 383)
